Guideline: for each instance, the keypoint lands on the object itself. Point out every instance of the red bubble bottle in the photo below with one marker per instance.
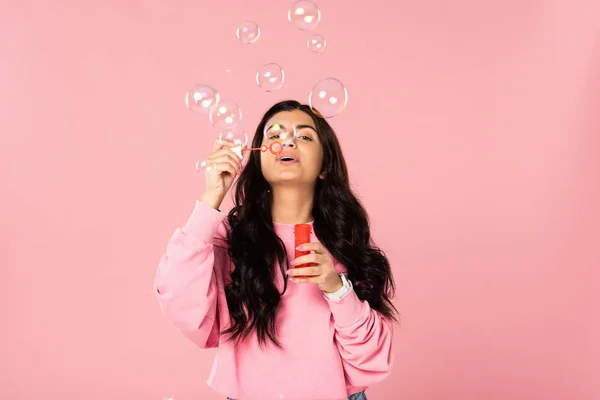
(302, 235)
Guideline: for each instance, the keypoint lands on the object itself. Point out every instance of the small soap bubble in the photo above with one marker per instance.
(305, 15)
(328, 98)
(225, 115)
(248, 32)
(316, 44)
(200, 99)
(270, 77)
(238, 138)
(279, 131)
(200, 165)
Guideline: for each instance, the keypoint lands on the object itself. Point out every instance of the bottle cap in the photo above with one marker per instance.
(302, 229)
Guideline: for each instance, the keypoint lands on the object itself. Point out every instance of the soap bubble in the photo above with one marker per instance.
(305, 15)
(328, 98)
(225, 115)
(236, 135)
(270, 77)
(280, 131)
(248, 32)
(200, 99)
(316, 44)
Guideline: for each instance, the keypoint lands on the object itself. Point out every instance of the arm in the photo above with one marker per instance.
(188, 280)
(364, 340)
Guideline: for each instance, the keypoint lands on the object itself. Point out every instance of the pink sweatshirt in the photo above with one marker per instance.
(330, 349)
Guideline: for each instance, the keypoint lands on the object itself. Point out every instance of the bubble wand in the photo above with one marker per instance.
(275, 148)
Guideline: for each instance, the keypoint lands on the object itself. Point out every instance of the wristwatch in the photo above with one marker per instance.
(341, 292)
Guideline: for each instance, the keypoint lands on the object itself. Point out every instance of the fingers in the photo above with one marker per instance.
(316, 279)
(222, 157)
(305, 271)
(222, 167)
(222, 143)
(306, 275)
(225, 151)
(308, 258)
(312, 246)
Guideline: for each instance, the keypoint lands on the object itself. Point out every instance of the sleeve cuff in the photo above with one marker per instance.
(203, 223)
(348, 310)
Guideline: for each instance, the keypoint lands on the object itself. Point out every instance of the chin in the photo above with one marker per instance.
(288, 178)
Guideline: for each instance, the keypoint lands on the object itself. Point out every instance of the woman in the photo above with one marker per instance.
(228, 282)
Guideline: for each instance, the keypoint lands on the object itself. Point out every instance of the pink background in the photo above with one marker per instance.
(472, 134)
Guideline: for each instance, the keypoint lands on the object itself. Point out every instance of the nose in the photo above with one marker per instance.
(290, 144)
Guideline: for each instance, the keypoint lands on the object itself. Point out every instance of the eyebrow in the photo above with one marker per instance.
(306, 126)
(298, 127)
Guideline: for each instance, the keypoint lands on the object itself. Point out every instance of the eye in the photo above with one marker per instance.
(304, 137)
(273, 137)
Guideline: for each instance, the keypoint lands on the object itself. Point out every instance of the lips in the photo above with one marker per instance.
(286, 157)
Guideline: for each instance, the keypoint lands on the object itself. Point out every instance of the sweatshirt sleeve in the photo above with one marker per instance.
(188, 282)
(364, 339)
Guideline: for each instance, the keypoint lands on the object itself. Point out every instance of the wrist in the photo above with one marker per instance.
(211, 200)
(341, 292)
(336, 286)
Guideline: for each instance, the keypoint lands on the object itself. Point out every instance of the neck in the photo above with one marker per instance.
(292, 205)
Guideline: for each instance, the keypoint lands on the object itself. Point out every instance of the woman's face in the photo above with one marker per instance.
(301, 160)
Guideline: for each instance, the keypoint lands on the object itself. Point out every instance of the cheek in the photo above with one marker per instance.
(314, 165)
(265, 165)
(319, 162)
(262, 162)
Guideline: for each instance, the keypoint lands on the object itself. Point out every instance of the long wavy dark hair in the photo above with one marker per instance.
(340, 223)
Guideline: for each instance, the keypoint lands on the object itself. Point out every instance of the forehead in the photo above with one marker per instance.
(295, 117)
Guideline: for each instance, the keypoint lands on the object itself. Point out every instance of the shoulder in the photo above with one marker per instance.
(220, 236)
